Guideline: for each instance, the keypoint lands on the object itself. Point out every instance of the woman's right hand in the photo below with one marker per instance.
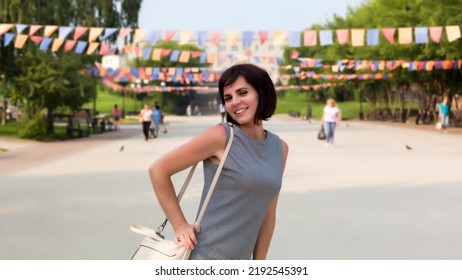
(185, 234)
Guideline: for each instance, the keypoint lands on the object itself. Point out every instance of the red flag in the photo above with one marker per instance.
(436, 33)
(294, 54)
(343, 36)
(263, 36)
(169, 35)
(34, 29)
(36, 39)
(124, 32)
(216, 37)
(69, 45)
(79, 31)
(389, 33)
(310, 38)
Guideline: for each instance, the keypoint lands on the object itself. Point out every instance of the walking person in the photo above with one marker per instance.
(240, 216)
(222, 112)
(146, 119)
(116, 115)
(309, 113)
(156, 119)
(444, 113)
(330, 119)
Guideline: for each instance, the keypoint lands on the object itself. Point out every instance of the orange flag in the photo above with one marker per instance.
(92, 47)
(139, 33)
(184, 57)
(405, 35)
(212, 58)
(57, 43)
(453, 32)
(156, 54)
(20, 41)
(279, 37)
(232, 37)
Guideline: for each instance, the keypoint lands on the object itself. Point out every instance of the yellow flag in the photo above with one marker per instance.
(405, 35)
(139, 33)
(94, 33)
(279, 37)
(49, 29)
(232, 37)
(185, 36)
(92, 47)
(5, 27)
(453, 32)
(357, 37)
(20, 41)
(156, 54)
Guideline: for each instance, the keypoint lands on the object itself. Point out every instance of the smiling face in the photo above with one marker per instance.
(241, 101)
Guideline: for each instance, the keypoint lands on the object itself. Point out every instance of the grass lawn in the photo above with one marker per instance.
(298, 102)
(9, 130)
(106, 101)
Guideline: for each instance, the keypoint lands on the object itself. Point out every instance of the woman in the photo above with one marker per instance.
(116, 115)
(330, 118)
(146, 119)
(444, 113)
(240, 217)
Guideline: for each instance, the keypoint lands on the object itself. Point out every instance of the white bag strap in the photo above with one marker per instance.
(212, 185)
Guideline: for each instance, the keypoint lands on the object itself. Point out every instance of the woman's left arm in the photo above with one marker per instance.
(269, 221)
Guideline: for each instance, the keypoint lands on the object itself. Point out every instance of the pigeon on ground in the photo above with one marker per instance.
(408, 147)
(121, 149)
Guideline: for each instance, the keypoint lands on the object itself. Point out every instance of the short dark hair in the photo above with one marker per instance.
(259, 79)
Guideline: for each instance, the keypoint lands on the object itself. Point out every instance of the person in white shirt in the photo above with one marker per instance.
(146, 119)
(330, 119)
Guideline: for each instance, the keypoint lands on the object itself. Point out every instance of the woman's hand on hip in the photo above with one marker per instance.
(185, 234)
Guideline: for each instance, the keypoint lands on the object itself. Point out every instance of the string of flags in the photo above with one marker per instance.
(43, 35)
(376, 65)
(184, 89)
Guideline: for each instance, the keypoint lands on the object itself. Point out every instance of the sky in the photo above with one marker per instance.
(252, 15)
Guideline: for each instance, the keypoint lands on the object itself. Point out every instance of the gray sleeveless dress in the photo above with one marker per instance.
(250, 180)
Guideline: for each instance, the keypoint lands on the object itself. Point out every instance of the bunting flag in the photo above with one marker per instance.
(92, 47)
(311, 38)
(45, 45)
(373, 37)
(184, 57)
(216, 36)
(263, 36)
(94, 34)
(20, 28)
(79, 31)
(34, 28)
(185, 37)
(8, 38)
(343, 36)
(156, 54)
(389, 34)
(201, 38)
(168, 35)
(405, 35)
(108, 32)
(421, 35)
(212, 58)
(436, 33)
(36, 39)
(294, 39)
(357, 37)
(147, 53)
(20, 41)
(154, 36)
(49, 30)
(81, 45)
(124, 33)
(64, 32)
(139, 33)
(325, 37)
(5, 27)
(57, 43)
(279, 37)
(453, 33)
(69, 45)
(231, 38)
(247, 37)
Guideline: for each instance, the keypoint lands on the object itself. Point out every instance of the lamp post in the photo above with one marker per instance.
(5, 104)
(361, 114)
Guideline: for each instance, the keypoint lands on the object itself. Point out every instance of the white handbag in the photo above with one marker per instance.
(154, 246)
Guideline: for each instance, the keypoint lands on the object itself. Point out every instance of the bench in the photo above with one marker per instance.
(74, 126)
